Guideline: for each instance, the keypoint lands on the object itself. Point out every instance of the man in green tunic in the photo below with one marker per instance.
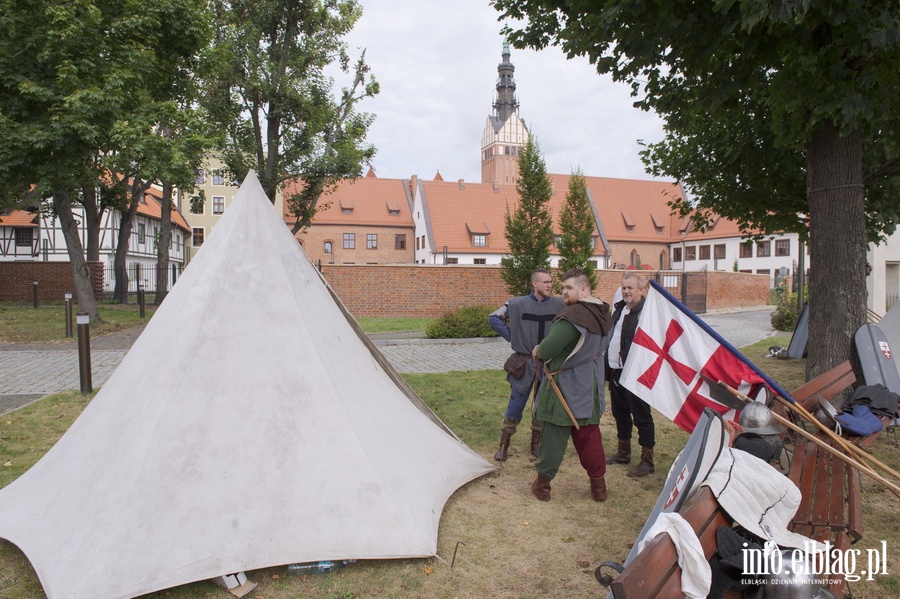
(570, 400)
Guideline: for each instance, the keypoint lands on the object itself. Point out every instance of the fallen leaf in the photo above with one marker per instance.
(428, 569)
(582, 564)
(525, 523)
(8, 464)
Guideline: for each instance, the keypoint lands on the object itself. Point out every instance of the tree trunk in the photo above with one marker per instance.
(162, 244)
(92, 217)
(120, 293)
(84, 290)
(837, 227)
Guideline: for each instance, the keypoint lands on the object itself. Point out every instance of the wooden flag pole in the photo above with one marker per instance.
(840, 455)
(847, 445)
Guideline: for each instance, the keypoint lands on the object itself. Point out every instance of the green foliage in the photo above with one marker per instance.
(576, 228)
(785, 316)
(267, 87)
(780, 116)
(464, 323)
(529, 230)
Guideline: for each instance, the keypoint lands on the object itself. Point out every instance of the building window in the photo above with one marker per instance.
(719, 251)
(201, 176)
(676, 254)
(417, 243)
(24, 237)
(746, 249)
(349, 241)
(479, 240)
(690, 252)
(763, 249)
(329, 247)
(763, 271)
(783, 247)
(197, 237)
(371, 241)
(142, 235)
(218, 204)
(704, 252)
(400, 241)
(218, 178)
(452, 261)
(480, 261)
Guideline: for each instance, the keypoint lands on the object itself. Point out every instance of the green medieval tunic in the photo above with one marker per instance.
(583, 329)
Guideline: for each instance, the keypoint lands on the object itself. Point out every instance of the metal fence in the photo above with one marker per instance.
(141, 276)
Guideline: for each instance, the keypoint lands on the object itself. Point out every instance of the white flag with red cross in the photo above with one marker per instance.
(672, 347)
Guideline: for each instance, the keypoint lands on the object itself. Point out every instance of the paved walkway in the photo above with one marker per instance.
(31, 371)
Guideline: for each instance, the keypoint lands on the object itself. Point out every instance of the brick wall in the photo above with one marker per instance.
(428, 291)
(736, 289)
(54, 280)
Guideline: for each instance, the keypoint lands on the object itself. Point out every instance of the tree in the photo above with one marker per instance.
(576, 228)
(70, 87)
(781, 115)
(269, 90)
(529, 230)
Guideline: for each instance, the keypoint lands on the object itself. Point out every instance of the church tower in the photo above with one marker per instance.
(505, 133)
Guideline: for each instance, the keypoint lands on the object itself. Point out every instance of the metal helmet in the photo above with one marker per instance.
(826, 413)
(757, 418)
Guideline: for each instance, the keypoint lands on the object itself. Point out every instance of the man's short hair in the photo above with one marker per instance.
(636, 276)
(577, 273)
(537, 271)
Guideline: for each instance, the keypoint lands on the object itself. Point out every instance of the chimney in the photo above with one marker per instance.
(461, 183)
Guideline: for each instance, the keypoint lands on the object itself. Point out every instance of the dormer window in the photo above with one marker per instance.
(629, 221)
(658, 223)
(346, 206)
(479, 235)
(393, 208)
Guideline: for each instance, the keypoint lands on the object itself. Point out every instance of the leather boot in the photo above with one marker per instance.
(535, 443)
(623, 456)
(500, 456)
(541, 487)
(598, 489)
(645, 466)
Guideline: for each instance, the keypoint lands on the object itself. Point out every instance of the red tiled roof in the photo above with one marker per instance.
(366, 201)
(457, 210)
(19, 218)
(152, 208)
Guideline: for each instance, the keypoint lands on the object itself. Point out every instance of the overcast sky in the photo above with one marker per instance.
(437, 66)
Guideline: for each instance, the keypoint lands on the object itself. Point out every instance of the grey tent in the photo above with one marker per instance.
(249, 426)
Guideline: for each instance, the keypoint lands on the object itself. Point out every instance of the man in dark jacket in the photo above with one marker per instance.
(627, 408)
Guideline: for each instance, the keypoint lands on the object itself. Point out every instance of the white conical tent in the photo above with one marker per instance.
(248, 426)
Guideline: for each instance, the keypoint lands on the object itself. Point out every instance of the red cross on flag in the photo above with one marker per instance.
(671, 348)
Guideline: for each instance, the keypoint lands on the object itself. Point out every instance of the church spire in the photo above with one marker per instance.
(506, 102)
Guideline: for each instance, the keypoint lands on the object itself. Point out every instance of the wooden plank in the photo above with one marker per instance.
(828, 384)
(854, 506)
(655, 571)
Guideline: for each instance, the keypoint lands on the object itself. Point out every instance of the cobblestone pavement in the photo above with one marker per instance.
(31, 371)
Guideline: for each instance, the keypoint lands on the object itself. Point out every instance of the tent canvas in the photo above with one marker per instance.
(249, 426)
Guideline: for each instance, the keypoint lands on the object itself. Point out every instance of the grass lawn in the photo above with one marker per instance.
(507, 544)
(22, 323)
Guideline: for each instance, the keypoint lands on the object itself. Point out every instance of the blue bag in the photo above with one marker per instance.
(861, 421)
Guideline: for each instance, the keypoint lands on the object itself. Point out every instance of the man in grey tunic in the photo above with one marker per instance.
(524, 321)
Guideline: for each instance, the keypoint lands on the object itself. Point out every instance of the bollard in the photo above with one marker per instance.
(69, 331)
(35, 293)
(141, 300)
(84, 352)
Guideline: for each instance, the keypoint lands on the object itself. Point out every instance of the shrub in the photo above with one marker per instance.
(785, 316)
(468, 321)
